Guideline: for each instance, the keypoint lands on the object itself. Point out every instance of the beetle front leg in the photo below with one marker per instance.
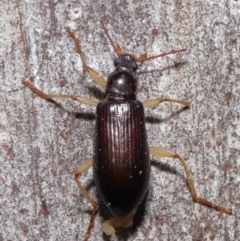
(155, 102)
(84, 167)
(97, 77)
(49, 97)
(161, 152)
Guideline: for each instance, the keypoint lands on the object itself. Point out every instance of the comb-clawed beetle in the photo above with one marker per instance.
(121, 159)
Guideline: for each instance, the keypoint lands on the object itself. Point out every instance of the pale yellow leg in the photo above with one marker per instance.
(84, 167)
(82, 100)
(109, 225)
(97, 77)
(155, 102)
(160, 152)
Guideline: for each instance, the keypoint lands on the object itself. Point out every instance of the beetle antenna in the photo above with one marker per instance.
(143, 57)
(116, 47)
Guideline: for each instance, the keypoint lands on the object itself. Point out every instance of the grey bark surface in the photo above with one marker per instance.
(41, 144)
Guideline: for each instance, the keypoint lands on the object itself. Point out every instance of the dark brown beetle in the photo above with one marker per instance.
(121, 156)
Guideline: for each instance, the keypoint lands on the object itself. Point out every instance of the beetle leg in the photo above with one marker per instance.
(155, 102)
(49, 97)
(109, 225)
(161, 152)
(97, 77)
(84, 167)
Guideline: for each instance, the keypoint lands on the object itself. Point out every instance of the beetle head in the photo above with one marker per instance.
(126, 61)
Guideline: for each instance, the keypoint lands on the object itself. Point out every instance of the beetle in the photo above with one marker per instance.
(121, 156)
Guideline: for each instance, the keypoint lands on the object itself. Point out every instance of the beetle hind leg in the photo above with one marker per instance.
(84, 167)
(109, 225)
(161, 152)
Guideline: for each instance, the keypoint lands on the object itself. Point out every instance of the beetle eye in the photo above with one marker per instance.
(134, 66)
(117, 61)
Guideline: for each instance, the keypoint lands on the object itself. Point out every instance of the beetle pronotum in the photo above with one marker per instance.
(121, 153)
